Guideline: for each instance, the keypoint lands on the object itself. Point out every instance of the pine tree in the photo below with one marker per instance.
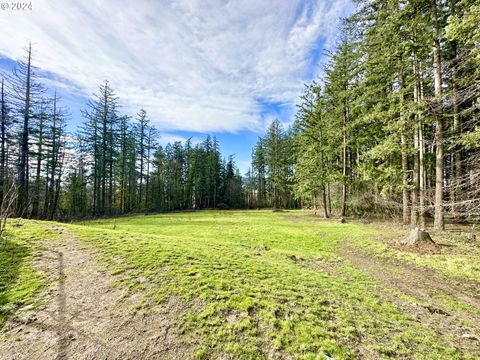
(142, 131)
(5, 134)
(99, 136)
(26, 92)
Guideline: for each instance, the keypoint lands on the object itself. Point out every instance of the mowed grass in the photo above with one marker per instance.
(272, 285)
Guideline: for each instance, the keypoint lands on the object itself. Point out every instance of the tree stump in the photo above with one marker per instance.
(471, 237)
(416, 236)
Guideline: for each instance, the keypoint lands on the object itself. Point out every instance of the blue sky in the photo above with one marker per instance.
(225, 68)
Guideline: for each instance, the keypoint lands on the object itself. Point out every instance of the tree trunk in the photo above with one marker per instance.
(406, 219)
(456, 155)
(421, 178)
(329, 199)
(437, 70)
(414, 194)
(56, 196)
(110, 170)
(147, 178)
(123, 169)
(344, 165)
(104, 152)
(3, 139)
(324, 200)
(22, 202)
(421, 166)
(142, 150)
(95, 169)
(36, 198)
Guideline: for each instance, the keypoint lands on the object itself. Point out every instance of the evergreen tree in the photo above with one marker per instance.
(26, 92)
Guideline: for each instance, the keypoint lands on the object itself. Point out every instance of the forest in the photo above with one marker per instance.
(392, 126)
(111, 165)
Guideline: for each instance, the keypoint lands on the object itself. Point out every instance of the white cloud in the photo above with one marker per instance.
(168, 138)
(197, 65)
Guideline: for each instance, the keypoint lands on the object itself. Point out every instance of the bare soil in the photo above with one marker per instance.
(85, 316)
(424, 289)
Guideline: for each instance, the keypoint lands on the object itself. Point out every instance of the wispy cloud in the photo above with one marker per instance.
(168, 138)
(196, 65)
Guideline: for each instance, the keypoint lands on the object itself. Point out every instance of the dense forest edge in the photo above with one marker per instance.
(391, 127)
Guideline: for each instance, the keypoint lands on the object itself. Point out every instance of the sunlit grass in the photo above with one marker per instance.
(269, 285)
(20, 282)
(462, 264)
(261, 296)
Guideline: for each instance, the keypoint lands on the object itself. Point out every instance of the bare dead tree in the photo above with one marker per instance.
(7, 209)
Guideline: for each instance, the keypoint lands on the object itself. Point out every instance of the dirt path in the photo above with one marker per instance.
(86, 317)
(456, 326)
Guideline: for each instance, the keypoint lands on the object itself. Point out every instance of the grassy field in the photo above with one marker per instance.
(269, 285)
(19, 281)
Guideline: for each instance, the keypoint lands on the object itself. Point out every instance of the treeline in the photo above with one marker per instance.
(33, 144)
(393, 124)
(112, 165)
(269, 182)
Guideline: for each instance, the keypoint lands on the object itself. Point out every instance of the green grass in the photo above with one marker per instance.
(270, 285)
(463, 263)
(20, 283)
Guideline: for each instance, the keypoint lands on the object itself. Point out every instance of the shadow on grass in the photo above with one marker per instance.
(12, 255)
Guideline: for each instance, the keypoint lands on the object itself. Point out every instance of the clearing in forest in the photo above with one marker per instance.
(234, 284)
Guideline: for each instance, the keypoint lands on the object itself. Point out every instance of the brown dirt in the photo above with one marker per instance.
(458, 327)
(308, 217)
(85, 316)
(422, 247)
(327, 266)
